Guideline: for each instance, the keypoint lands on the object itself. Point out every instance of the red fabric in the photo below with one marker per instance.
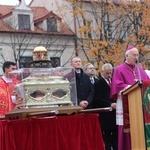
(125, 112)
(11, 86)
(6, 91)
(78, 132)
(5, 98)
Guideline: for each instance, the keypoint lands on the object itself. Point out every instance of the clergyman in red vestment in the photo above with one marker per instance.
(7, 97)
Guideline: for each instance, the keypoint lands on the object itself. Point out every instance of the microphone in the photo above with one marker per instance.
(138, 69)
(136, 61)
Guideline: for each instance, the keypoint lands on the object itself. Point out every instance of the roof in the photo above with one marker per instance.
(4, 9)
(5, 27)
(40, 14)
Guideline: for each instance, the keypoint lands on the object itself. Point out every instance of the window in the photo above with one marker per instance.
(107, 29)
(125, 31)
(52, 24)
(24, 61)
(55, 61)
(24, 22)
(88, 25)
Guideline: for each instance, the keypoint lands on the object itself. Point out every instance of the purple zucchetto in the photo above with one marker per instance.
(130, 47)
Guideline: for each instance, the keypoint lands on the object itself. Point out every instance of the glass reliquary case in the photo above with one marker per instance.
(39, 87)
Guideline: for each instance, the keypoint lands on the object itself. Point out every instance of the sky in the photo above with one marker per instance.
(12, 2)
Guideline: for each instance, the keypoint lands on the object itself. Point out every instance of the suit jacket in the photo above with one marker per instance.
(95, 80)
(84, 87)
(102, 99)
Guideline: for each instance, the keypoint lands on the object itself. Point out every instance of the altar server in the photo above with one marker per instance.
(7, 95)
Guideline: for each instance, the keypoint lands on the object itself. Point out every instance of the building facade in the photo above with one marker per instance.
(22, 28)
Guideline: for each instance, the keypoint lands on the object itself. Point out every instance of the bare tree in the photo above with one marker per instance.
(19, 41)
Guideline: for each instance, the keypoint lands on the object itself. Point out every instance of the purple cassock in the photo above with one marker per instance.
(124, 76)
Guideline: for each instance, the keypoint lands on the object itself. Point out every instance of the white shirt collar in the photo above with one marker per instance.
(7, 80)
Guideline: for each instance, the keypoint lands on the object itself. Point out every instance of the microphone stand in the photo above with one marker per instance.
(139, 73)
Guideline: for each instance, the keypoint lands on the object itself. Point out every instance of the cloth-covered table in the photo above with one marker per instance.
(74, 132)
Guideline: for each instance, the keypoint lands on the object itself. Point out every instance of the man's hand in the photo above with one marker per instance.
(113, 105)
(83, 104)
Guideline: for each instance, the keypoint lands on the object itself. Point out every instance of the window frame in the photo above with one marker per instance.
(55, 61)
(51, 26)
(24, 22)
(27, 59)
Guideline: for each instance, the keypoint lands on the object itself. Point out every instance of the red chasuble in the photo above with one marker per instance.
(11, 86)
(5, 98)
(6, 91)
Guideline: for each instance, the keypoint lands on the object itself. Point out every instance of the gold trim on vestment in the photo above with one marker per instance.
(126, 130)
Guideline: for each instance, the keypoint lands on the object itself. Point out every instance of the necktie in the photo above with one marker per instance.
(109, 82)
(79, 74)
(92, 80)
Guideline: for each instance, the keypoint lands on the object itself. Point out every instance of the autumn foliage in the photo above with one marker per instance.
(106, 27)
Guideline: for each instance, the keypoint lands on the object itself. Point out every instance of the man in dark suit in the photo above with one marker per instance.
(102, 99)
(84, 88)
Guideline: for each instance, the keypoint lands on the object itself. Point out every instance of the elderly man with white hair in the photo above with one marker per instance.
(124, 76)
(102, 99)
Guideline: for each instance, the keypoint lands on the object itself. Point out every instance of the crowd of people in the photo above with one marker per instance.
(107, 92)
(94, 92)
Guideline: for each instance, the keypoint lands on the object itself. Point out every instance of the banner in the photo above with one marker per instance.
(126, 121)
(146, 109)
